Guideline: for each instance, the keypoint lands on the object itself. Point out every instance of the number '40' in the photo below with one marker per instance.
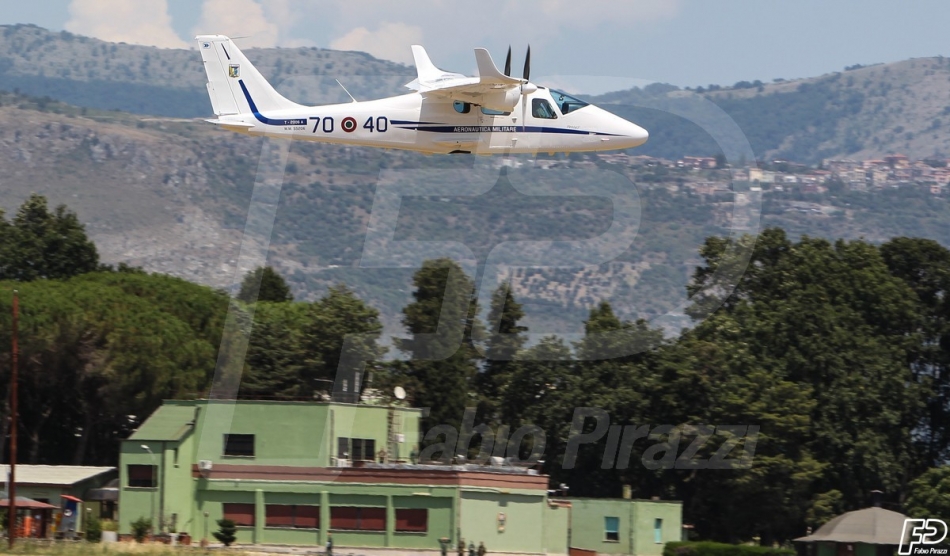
(381, 124)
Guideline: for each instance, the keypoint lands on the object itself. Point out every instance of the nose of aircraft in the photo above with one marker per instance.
(633, 135)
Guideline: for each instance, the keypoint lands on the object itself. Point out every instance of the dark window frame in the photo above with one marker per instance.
(137, 480)
(229, 510)
(404, 515)
(356, 449)
(235, 445)
(611, 536)
(296, 517)
(359, 517)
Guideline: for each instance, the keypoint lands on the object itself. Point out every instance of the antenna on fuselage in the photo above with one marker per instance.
(344, 90)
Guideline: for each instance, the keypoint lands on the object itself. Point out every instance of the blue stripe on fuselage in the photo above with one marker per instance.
(264, 119)
(442, 128)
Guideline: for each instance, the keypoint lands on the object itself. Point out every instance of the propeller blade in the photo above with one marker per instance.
(527, 64)
(508, 63)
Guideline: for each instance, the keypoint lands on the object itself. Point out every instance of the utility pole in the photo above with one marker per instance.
(11, 533)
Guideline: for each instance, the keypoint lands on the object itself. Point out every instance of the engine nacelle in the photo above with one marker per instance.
(504, 100)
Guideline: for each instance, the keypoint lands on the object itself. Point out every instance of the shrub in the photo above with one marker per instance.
(226, 531)
(93, 529)
(705, 548)
(140, 528)
(109, 525)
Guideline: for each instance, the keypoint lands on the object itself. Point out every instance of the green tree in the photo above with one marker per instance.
(274, 360)
(924, 265)
(501, 347)
(929, 494)
(264, 284)
(44, 244)
(823, 332)
(340, 334)
(443, 324)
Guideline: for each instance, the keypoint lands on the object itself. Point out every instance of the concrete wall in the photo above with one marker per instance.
(523, 515)
(645, 514)
(556, 524)
(296, 433)
(637, 521)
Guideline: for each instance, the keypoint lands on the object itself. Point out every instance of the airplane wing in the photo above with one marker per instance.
(489, 88)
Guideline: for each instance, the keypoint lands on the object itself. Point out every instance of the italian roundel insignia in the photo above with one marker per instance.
(349, 124)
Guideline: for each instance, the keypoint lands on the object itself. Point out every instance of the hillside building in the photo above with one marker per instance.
(295, 473)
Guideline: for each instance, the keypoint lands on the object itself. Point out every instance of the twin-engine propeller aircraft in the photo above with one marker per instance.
(447, 113)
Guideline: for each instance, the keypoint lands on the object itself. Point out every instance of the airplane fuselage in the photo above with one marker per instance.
(435, 125)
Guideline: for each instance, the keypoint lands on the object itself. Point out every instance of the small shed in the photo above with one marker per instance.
(33, 517)
(66, 488)
(868, 532)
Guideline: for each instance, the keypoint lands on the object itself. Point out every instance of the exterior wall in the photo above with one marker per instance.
(637, 519)
(178, 494)
(644, 515)
(174, 492)
(438, 501)
(556, 524)
(296, 433)
(587, 525)
(524, 518)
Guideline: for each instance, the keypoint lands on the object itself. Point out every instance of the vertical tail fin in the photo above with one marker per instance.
(234, 84)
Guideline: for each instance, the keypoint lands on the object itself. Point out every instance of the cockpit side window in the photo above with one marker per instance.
(541, 108)
(566, 102)
(462, 107)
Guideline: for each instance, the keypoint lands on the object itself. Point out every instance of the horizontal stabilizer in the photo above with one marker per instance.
(230, 124)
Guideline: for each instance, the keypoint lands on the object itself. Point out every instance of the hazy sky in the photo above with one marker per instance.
(684, 42)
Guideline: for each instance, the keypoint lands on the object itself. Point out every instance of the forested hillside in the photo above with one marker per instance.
(171, 82)
(861, 112)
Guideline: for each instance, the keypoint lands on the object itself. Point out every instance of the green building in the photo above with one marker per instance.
(295, 473)
(625, 526)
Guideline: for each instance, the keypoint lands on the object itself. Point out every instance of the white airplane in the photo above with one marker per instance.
(446, 113)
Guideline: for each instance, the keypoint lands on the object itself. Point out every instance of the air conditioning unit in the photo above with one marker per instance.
(400, 438)
(340, 462)
(204, 465)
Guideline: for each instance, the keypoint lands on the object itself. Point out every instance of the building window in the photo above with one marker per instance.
(142, 475)
(239, 445)
(658, 530)
(356, 449)
(358, 519)
(412, 520)
(241, 514)
(612, 529)
(291, 515)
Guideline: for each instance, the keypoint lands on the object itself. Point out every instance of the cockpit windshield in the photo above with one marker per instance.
(566, 102)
